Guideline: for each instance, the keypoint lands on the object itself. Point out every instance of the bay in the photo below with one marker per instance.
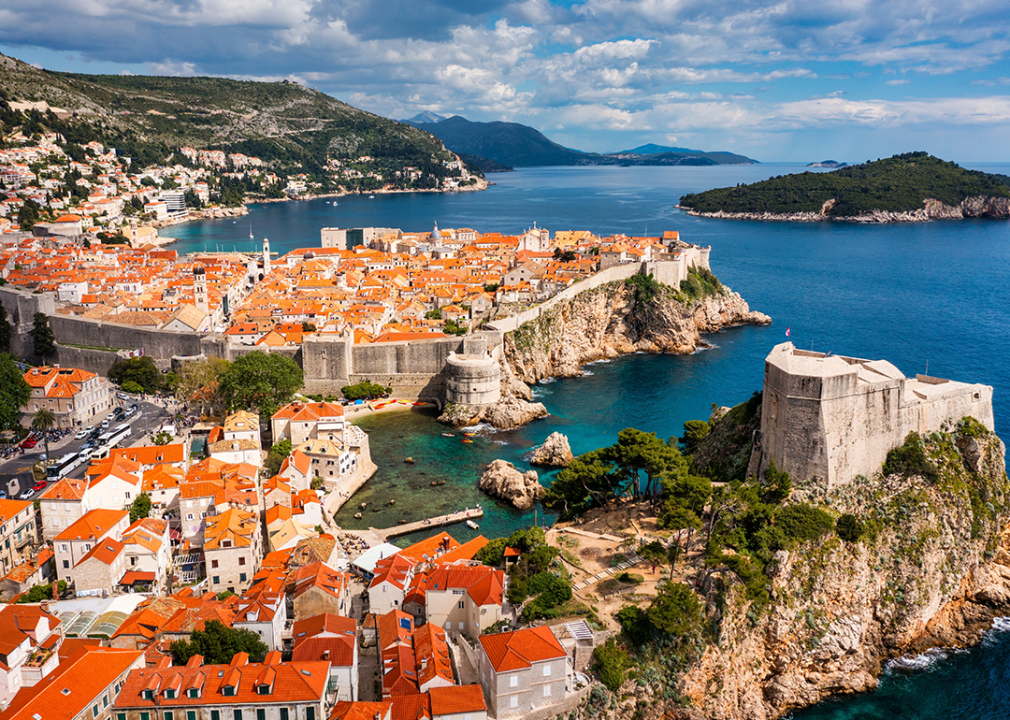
(924, 296)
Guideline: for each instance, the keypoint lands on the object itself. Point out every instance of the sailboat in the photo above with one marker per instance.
(251, 236)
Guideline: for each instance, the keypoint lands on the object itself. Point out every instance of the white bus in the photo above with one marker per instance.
(66, 464)
(107, 441)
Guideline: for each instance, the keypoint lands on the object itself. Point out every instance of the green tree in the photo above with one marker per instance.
(140, 370)
(6, 332)
(276, 456)
(849, 527)
(131, 387)
(365, 390)
(29, 214)
(260, 381)
(218, 644)
(44, 341)
(43, 591)
(637, 453)
(676, 611)
(14, 392)
(587, 482)
(200, 382)
(140, 507)
(694, 432)
(44, 420)
(612, 663)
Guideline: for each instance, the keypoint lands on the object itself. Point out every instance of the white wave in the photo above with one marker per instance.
(547, 380)
(587, 373)
(501, 442)
(540, 392)
(601, 361)
(919, 663)
(703, 348)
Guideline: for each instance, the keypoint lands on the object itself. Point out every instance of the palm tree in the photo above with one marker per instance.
(43, 419)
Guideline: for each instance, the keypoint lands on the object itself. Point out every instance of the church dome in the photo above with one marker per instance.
(436, 234)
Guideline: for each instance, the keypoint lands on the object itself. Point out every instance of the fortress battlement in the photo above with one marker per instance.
(830, 418)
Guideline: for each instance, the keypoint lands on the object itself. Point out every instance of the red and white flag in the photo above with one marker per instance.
(787, 331)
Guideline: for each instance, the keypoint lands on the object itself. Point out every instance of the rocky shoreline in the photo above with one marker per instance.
(973, 207)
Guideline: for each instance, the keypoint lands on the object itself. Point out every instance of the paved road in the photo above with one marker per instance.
(149, 417)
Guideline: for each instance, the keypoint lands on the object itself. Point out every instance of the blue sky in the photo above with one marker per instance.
(791, 80)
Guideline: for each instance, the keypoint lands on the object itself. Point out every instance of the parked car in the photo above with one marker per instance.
(29, 443)
(80, 434)
(26, 494)
(40, 485)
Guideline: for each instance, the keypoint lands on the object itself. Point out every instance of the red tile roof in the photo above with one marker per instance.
(345, 710)
(457, 699)
(93, 524)
(520, 648)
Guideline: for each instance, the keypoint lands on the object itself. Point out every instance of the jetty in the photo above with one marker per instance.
(376, 536)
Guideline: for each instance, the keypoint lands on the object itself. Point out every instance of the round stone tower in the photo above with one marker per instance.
(472, 380)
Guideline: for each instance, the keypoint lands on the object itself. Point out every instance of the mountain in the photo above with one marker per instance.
(910, 183)
(483, 164)
(147, 117)
(506, 143)
(425, 118)
(653, 149)
(519, 145)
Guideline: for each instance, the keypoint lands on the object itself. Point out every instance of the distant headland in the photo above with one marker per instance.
(913, 187)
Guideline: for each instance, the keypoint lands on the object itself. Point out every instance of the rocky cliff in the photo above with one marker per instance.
(932, 569)
(981, 206)
(615, 319)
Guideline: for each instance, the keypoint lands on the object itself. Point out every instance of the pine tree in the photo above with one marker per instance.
(43, 337)
(6, 332)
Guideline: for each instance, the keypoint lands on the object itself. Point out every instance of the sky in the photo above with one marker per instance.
(777, 80)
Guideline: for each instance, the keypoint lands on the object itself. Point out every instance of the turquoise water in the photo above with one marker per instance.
(931, 295)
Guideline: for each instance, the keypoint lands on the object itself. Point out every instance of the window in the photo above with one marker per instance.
(236, 714)
(169, 694)
(241, 561)
(145, 716)
(461, 604)
(63, 548)
(514, 702)
(261, 714)
(66, 564)
(213, 563)
(191, 715)
(120, 716)
(87, 547)
(241, 577)
(97, 710)
(167, 715)
(105, 701)
(189, 516)
(148, 694)
(284, 714)
(514, 681)
(262, 689)
(310, 713)
(215, 715)
(547, 670)
(217, 579)
(547, 690)
(229, 691)
(462, 625)
(193, 692)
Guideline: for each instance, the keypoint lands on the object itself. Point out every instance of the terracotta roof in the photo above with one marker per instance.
(427, 549)
(466, 551)
(18, 623)
(9, 509)
(93, 524)
(432, 655)
(411, 707)
(520, 648)
(73, 686)
(65, 489)
(232, 525)
(457, 699)
(135, 576)
(105, 551)
(394, 569)
(289, 683)
(345, 710)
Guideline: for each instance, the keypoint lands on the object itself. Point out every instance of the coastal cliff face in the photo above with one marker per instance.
(932, 570)
(971, 207)
(609, 321)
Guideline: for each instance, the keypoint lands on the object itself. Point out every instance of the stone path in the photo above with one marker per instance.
(617, 570)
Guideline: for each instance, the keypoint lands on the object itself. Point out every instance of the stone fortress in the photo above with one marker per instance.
(828, 418)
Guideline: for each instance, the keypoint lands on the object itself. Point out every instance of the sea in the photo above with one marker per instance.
(930, 297)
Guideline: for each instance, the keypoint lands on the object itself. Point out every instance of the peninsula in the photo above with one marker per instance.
(913, 187)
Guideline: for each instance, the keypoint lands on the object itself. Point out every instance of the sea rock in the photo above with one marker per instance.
(555, 452)
(502, 480)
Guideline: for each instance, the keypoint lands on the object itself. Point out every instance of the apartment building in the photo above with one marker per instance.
(74, 543)
(522, 671)
(76, 397)
(18, 531)
(233, 549)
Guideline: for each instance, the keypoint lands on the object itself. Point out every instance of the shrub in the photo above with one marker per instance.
(634, 623)
(694, 432)
(131, 387)
(849, 528)
(646, 287)
(910, 459)
(612, 663)
(365, 390)
(804, 522)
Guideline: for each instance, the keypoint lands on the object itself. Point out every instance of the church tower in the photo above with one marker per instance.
(266, 257)
(200, 288)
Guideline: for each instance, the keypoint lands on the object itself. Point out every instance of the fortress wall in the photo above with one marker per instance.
(159, 344)
(21, 306)
(792, 433)
(617, 272)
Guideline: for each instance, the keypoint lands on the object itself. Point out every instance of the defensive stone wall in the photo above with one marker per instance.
(830, 418)
(21, 306)
(472, 379)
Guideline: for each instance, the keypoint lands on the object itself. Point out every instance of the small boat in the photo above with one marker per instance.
(472, 525)
(448, 435)
(371, 197)
(363, 505)
(468, 440)
(357, 516)
(468, 434)
(408, 460)
(437, 483)
(392, 502)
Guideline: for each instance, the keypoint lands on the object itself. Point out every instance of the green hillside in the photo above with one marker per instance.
(148, 117)
(898, 184)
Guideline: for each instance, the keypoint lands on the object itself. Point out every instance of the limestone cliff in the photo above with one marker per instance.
(979, 206)
(933, 569)
(612, 320)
